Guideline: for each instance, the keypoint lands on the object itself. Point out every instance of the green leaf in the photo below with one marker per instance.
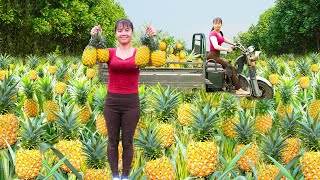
(282, 169)
(13, 155)
(55, 167)
(182, 147)
(234, 161)
(136, 174)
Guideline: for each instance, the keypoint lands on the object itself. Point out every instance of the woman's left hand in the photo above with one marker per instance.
(151, 31)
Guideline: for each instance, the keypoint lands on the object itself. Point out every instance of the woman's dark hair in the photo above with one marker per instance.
(217, 19)
(123, 23)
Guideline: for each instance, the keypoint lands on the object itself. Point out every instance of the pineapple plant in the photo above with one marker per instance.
(157, 165)
(246, 103)
(79, 91)
(61, 85)
(273, 145)
(289, 127)
(314, 59)
(29, 157)
(273, 68)
(262, 60)
(228, 113)
(52, 63)
(309, 131)
(245, 136)
(69, 142)
(9, 123)
(290, 58)
(202, 152)
(4, 66)
(304, 67)
(95, 150)
(90, 73)
(264, 115)
(50, 105)
(33, 63)
(314, 107)
(98, 104)
(288, 92)
(74, 65)
(31, 107)
(165, 102)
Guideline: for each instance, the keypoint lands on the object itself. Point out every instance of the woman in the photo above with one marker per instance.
(216, 39)
(122, 107)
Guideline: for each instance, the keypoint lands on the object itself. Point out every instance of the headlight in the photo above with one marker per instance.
(250, 49)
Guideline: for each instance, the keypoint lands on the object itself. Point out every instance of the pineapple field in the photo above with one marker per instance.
(52, 124)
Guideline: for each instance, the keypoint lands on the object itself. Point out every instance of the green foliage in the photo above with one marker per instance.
(40, 26)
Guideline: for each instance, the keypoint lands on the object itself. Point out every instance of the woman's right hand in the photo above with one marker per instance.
(95, 30)
(229, 50)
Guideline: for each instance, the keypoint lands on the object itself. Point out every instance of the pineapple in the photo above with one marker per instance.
(50, 105)
(264, 115)
(89, 55)
(202, 151)
(157, 166)
(273, 67)
(52, 63)
(310, 161)
(273, 145)
(162, 45)
(165, 102)
(143, 54)
(33, 63)
(288, 127)
(304, 80)
(74, 65)
(98, 104)
(315, 59)
(95, 149)
(69, 143)
(184, 113)
(158, 58)
(314, 107)
(229, 107)
(103, 54)
(29, 157)
(9, 123)
(245, 135)
(288, 92)
(61, 86)
(90, 73)
(79, 92)
(31, 107)
(290, 58)
(4, 66)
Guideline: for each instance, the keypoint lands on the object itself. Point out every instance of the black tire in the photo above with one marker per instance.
(267, 91)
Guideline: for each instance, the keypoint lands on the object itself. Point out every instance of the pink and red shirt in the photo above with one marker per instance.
(219, 38)
(123, 74)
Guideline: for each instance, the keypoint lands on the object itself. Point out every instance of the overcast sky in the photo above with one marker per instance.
(182, 18)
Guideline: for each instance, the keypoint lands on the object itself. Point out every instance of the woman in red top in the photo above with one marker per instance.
(122, 107)
(216, 39)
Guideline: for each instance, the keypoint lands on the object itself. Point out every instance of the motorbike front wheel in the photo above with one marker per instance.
(266, 91)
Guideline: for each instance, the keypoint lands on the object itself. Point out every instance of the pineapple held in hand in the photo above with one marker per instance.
(102, 51)
(89, 55)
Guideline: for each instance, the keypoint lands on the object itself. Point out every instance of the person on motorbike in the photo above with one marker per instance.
(216, 38)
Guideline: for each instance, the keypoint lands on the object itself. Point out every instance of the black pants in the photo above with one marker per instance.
(121, 111)
(216, 56)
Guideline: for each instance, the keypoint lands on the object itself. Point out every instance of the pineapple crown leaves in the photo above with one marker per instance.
(315, 57)
(304, 67)
(203, 123)
(8, 90)
(289, 124)
(165, 101)
(310, 132)
(273, 145)
(265, 106)
(290, 57)
(79, 91)
(150, 41)
(244, 129)
(288, 90)
(67, 122)
(33, 61)
(61, 72)
(46, 88)
(192, 56)
(28, 87)
(52, 58)
(99, 99)
(4, 61)
(143, 98)
(95, 149)
(228, 106)
(149, 142)
(273, 65)
(32, 132)
(317, 87)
